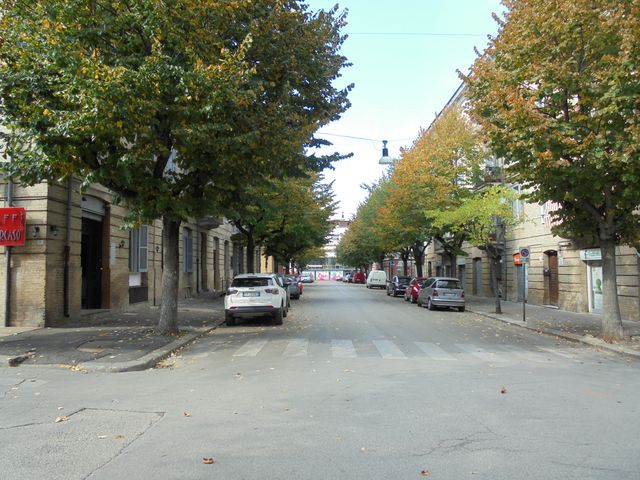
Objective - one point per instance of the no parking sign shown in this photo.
(525, 254)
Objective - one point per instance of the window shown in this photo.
(452, 284)
(518, 204)
(252, 282)
(138, 249)
(187, 250)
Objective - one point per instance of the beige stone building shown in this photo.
(78, 258)
(559, 273)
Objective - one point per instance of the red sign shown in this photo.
(13, 227)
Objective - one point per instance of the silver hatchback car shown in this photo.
(442, 292)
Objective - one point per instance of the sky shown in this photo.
(405, 56)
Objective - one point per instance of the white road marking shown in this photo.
(560, 353)
(298, 347)
(389, 350)
(343, 349)
(526, 354)
(472, 349)
(251, 348)
(434, 351)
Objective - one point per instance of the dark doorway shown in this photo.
(551, 277)
(91, 263)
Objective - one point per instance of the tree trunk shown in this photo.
(405, 263)
(453, 264)
(418, 256)
(168, 323)
(251, 254)
(612, 330)
(495, 267)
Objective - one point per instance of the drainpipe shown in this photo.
(67, 251)
(7, 256)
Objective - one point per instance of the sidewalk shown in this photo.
(579, 327)
(110, 342)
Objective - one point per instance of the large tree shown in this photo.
(365, 242)
(483, 219)
(558, 93)
(435, 172)
(286, 216)
(172, 105)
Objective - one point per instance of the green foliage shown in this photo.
(434, 173)
(173, 105)
(558, 94)
(478, 216)
(300, 222)
(286, 216)
(365, 242)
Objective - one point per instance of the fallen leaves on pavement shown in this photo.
(208, 461)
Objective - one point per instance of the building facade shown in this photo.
(78, 257)
(559, 274)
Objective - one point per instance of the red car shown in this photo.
(412, 291)
(358, 277)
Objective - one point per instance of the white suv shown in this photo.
(254, 294)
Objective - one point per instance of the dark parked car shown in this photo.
(398, 285)
(358, 277)
(442, 292)
(295, 286)
(412, 291)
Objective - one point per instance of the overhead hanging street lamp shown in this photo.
(385, 159)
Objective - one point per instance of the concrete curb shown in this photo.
(586, 339)
(147, 361)
(12, 361)
(143, 363)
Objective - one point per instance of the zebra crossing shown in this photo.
(385, 349)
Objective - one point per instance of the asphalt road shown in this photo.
(354, 385)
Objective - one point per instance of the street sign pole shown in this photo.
(524, 293)
(525, 255)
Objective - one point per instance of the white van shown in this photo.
(377, 279)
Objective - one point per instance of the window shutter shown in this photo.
(187, 250)
(143, 248)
